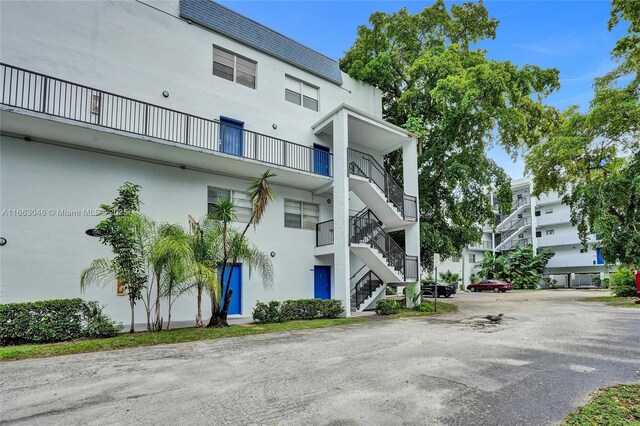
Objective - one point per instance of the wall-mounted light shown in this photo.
(273, 254)
(93, 232)
(328, 200)
(3, 241)
(274, 125)
(165, 94)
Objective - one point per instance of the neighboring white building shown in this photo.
(543, 222)
(191, 100)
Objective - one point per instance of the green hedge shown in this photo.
(302, 309)
(387, 307)
(53, 321)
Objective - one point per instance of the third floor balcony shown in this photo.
(95, 119)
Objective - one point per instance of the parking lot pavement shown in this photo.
(539, 363)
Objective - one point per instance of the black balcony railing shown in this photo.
(41, 93)
(362, 164)
(324, 233)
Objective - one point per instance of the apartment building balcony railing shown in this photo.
(363, 164)
(324, 233)
(483, 245)
(364, 288)
(511, 244)
(52, 96)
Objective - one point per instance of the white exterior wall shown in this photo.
(133, 50)
(45, 255)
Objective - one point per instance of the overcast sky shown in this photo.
(569, 35)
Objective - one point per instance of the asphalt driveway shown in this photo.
(541, 362)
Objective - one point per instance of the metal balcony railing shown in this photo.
(363, 164)
(324, 233)
(509, 245)
(41, 93)
(483, 245)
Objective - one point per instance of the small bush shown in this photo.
(265, 313)
(623, 283)
(424, 307)
(53, 321)
(387, 307)
(391, 291)
(302, 309)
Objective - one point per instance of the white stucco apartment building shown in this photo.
(543, 222)
(191, 100)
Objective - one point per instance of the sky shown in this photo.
(571, 36)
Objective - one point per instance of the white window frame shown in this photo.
(472, 258)
(548, 211)
(302, 204)
(549, 232)
(232, 197)
(235, 66)
(301, 84)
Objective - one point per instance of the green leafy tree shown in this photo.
(236, 247)
(594, 157)
(519, 266)
(449, 277)
(118, 230)
(206, 249)
(457, 102)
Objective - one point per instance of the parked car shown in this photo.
(495, 285)
(444, 289)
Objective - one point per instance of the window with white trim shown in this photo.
(243, 207)
(301, 215)
(233, 67)
(472, 258)
(301, 93)
(548, 211)
(549, 232)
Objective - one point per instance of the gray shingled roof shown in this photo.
(231, 24)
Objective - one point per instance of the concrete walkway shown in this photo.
(541, 362)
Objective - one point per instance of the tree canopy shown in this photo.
(439, 85)
(593, 157)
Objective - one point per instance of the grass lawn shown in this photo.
(617, 405)
(622, 302)
(443, 307)
(127, 340)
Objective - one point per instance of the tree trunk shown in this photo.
(169, 317)
(157, 326)
(133, 304)
(199, 314)
(219, 318)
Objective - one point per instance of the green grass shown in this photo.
(617, 405)
(621, 302)
(428, 309)
(127, 340)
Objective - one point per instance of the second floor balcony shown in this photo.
(71, 104)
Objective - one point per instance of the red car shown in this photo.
(494, 285)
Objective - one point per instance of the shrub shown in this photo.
(424, 307)
(302, 309)
(391, 291)
(623, 283)
(53, 321)
(387, 307)
(265, 313)
(474, 279)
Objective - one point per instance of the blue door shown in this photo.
(235, 306)
(322, 282)
(599, 258)
(321, 160)
(231, 136)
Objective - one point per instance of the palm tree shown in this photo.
(205, 247)
(236, 247)
(173, 253)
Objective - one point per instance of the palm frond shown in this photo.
(100, 272)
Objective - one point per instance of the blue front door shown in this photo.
(235, 306)
(322, 282)
(321, 160)
(231, 136)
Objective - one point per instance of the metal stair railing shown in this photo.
(364, 288)
(363, 164)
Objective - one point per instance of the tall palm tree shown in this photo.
(237, 248)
